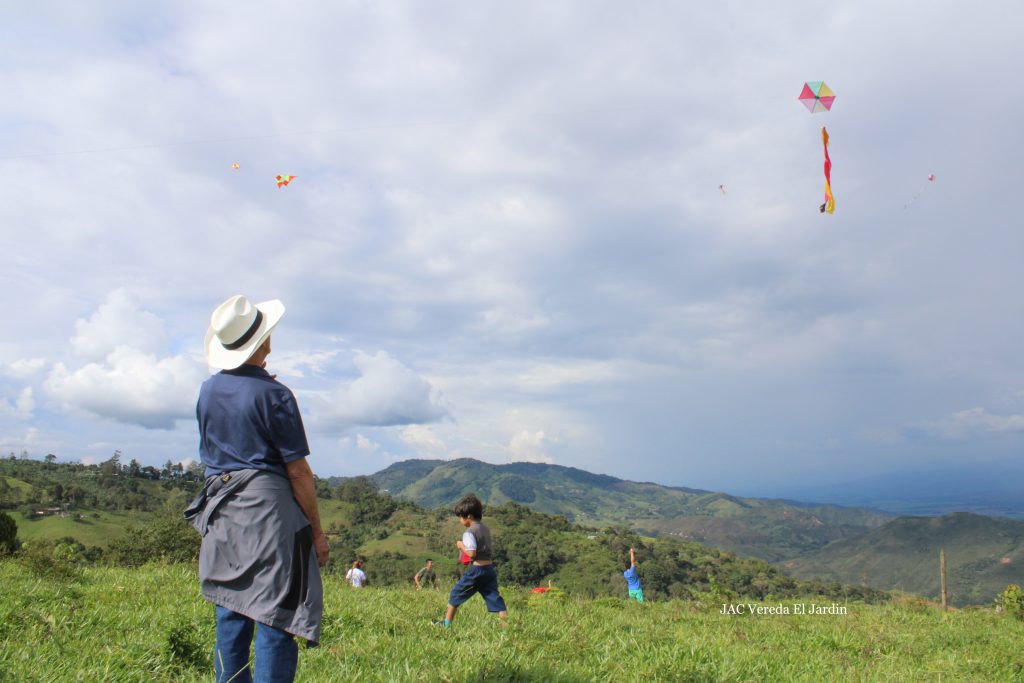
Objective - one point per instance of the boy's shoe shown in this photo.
(441, 622)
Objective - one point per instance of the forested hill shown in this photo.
(983, 555)
(55, 530)
(769, 529)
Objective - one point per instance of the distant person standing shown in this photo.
(425, 575)
(632, 580)
(262, 542)
(356, 576)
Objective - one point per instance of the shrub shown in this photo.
(8, 534)
(49, 561)
(184, 650)
(1012, 600)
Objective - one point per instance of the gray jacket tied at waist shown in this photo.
(257, 555)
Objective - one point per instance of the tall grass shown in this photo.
(149, 624)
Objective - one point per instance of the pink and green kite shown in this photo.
(817, 96)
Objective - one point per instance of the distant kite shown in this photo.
(722, 188)
(924, 186)
(817, 96)
(235, 166)
(283, 180)
(830, 203)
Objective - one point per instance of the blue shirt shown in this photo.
(632, 580)
(247, 419)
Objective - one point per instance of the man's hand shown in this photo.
(323, 550)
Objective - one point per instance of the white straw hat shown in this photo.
(237, 328)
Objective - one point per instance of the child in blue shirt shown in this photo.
(632, 580)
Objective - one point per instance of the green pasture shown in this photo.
(94, 528)
(149, 624)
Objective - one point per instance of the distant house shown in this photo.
(46, 512)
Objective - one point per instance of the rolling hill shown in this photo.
(768, 529)
(983, 556)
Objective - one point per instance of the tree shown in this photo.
(8, 534)
(196, 470)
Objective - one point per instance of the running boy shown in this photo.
(481, 576)
(632, 580)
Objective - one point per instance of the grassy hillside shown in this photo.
(91, 527)
(769, 529)
(150, 625)
(983, 555)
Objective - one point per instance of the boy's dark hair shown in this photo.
(469, 506)
(626, 563)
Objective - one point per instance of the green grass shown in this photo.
(150, 625)
(396, 543)
(90, 530)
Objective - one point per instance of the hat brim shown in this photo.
(224, 359)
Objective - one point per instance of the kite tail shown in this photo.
(830, 203)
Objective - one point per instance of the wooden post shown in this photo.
(942, 575)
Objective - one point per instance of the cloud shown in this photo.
(363, 443)
(424, 442)
(25, 403)
(295, 364)
(974, 422)
(529, 447)
(387, 393)
(22, 368)
(19, 407)
(119, 321)
(536, 230)
(131, 387)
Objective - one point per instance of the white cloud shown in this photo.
(387, 393)
(23, 368)
(974, 422)
(529, 447)
(118, 322)
(25, 403)
(363, 443)
(131, 387)
(21, 407)
(295, 364)
(423, 441)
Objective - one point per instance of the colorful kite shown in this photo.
(283, 180)
(235, 166)
(830, 203)
(722, 188)
(817, 96)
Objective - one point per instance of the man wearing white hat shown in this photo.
(257, 512)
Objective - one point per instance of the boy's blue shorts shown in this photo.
(482, 580)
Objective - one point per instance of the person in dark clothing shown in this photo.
(262, 540)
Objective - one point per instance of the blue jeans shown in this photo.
(277, 653)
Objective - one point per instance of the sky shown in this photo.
(581, 233)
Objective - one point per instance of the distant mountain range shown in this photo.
(986, 488)
(983, 556)
(772, 530)
(846, 544)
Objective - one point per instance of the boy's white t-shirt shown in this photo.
(356, 577)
